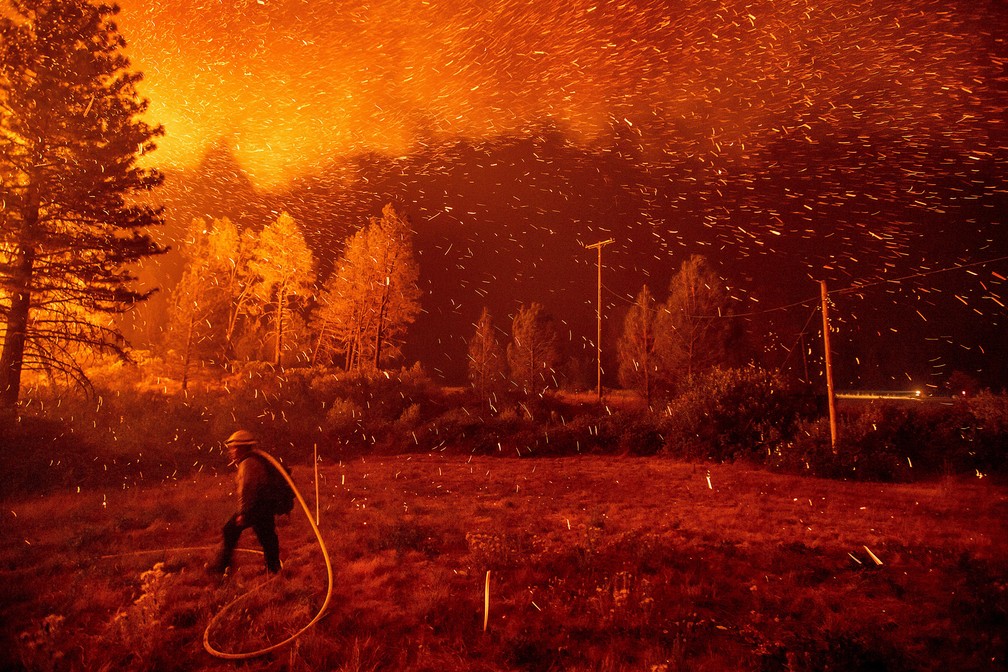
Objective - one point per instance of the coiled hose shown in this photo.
(329, 576)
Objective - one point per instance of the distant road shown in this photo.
(912, 396)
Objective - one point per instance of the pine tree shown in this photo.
(693, 333)
(396, 293)
(285, 271)
(340, 317)
(638, 364)
(486, 358)
(215, 284)
(70, 137)
(238, 282)
(190, 307)
(372, 296)
(534, 351)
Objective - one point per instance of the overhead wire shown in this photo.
(853, 289)
(814, 300)
(799, 337)
(923, 274)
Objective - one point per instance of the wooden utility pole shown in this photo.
(598, 340)
(830, 392)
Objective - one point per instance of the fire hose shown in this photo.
(329, 576)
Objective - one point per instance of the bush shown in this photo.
(626, 433)
(343, 417)
(380, 400)
(730, 414)
(459, 429)
(889, 441)
(878, 443)
(862, 452)
(989, 432)
(639, 434)
(137, 424)
(133, 423)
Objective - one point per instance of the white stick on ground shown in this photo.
(486, 602)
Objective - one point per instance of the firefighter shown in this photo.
(255, 507)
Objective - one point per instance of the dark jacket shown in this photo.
(253, 486)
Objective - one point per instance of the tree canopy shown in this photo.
(638, 362)
(534, 351)
(71, 135)
(372, 296)
(692, 333)
(284, 267)
(487, 363)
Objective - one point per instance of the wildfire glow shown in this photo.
(292, 83)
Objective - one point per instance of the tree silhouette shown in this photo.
(191, 307)
(339, 321)
(638, 363)
(70, 137)
(397, 300)
(486, 358)
(692, 332)
(285, 270)
(239, 280)
(212, 293)
(372, 296)
(534, 351)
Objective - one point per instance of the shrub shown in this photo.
(862, 453)
(990, 432)
(343, 417)
(728, 414)
(458, 429)
(628, 433)
(137, 424)
(808, 451)
(639, 435)
(875, 443)
(892, 441)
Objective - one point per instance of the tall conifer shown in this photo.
(70, 136)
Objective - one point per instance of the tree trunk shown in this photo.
(281, 295)
(353, 347)
(12, 358)
(481, 373)
(379, 336)
(15, 336)
(318, 343)
(532, 369)
(356, 342)
(650, 319)
(234, 312)
(188, 351)
(646, 349)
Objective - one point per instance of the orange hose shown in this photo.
(329, 575)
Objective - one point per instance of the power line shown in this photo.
(622, 298)
(853, 289)
(856, 288)
(801, 334)
(959, 267)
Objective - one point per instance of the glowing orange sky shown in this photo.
(291, 83)
(831, 131)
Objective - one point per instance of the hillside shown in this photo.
(501, 223)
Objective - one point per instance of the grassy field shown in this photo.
(595, 563)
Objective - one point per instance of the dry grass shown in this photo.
(596, 563)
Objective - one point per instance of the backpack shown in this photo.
(279, 495)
